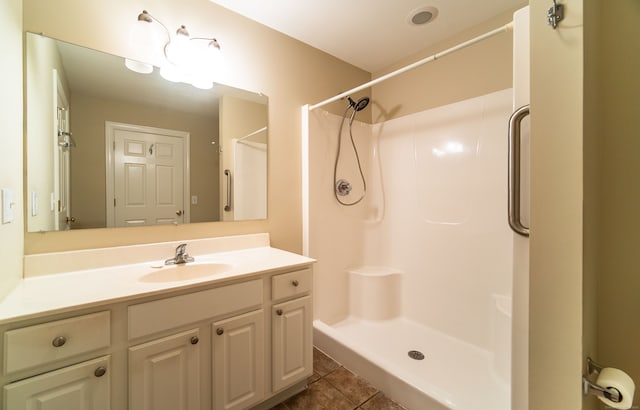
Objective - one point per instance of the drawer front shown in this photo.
(152, 317)
(41, 344)
(291, 284)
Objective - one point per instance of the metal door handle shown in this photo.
(179, 212)
(227, 205)
(515, 125)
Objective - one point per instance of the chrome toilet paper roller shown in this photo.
(612, 386)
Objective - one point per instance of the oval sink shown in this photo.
(177, 273)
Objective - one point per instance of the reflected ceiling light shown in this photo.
(451, 147)
(137, 66)
(194, 60)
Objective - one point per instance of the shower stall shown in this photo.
(417, 266)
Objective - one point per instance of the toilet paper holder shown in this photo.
(588, 387)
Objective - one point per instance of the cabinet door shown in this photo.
(238, 361)
(164, 374)
(84, 386)
(292, 345)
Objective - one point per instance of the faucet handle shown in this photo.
(181, 249)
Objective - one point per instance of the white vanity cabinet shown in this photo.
(292, 344)
(232, 343)
(238, 361)
(33, 350)
(164, 374)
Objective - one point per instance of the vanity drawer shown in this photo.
(152, 317)
(41, 344)
(291, 284)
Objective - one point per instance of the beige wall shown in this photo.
(11, 153)
(88, 116)
(555, 308)
(618, 296)
(584, 108)
(258, 59)
(478, 70)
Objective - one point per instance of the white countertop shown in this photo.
(56, 293)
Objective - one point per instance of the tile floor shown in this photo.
(336, 388)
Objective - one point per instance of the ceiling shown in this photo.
(370, 34)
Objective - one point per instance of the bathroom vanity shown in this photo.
(231, 330)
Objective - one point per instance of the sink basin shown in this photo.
(187, 271)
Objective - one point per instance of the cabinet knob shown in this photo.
(194, 340)
(219, 331)
(59, 341)
(295, 282)
(100, 371)
(279, 312)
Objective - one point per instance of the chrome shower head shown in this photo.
(359, 105)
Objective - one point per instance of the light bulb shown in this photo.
(171, 73)
(179, 49)
(145, 42)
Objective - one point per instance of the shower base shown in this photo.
(453, 374)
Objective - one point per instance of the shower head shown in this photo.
(359, 105)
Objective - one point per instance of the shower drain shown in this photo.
(416, 355)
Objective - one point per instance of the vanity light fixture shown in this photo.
(193, 60)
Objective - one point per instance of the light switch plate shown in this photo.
(7, 205)
(34, 203)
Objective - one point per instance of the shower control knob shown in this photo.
(343, 187)
(295, 283)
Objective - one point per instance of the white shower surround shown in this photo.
(250, 180)
(436, 211)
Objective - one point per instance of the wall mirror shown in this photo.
(110, 147)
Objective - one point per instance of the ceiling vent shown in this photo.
(422, 16)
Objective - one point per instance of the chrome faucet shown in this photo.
(181, 256)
